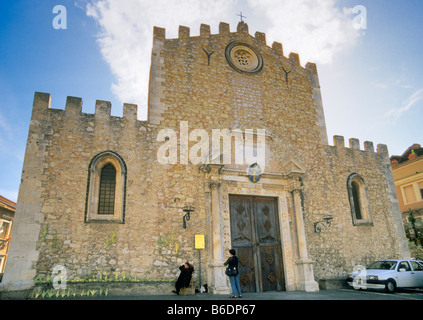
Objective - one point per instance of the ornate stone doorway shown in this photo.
(255, 235)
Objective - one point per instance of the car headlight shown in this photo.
(373, 278)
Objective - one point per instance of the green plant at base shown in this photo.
(111, 239)
(163, 242)
(415, 250)
(45, 232)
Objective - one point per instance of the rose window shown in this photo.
(243, 58)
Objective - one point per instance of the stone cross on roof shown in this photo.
(240, 15)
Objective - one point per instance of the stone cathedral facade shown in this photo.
(103, 194)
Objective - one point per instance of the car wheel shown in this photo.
(390, 286)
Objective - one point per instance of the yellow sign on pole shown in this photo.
(199, 242)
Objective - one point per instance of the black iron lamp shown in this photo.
(187, 216)
(321, 225)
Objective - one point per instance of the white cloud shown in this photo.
(126, 39)
(416, 97)
(316, 29)
(381, 85)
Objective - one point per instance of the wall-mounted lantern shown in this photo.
(326, 223)
(187, 216)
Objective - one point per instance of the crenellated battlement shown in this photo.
(73, 107)
(354, 144)
(184, 34)
(188, 66)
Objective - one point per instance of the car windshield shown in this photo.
(382, 265)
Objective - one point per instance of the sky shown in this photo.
(368, 54)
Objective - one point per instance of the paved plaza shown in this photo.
(341, 294)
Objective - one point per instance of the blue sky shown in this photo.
(372, 79)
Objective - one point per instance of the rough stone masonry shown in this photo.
(335, 206)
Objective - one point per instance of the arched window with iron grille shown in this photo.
(106, 188)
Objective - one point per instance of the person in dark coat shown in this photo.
(232, 263)
(184, 278)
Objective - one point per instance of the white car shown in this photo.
(388, 275)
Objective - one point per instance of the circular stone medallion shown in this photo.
(243, 58)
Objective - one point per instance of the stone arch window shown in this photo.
(359, 200)
(106, 190)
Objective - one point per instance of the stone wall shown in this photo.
(340, 247)
(308, 176)
(151, 243)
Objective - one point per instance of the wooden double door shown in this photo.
(255, 236)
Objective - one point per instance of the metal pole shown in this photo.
(199, 275)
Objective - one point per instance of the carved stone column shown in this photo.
(219, 285)
(304, 264)
(216, 222)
